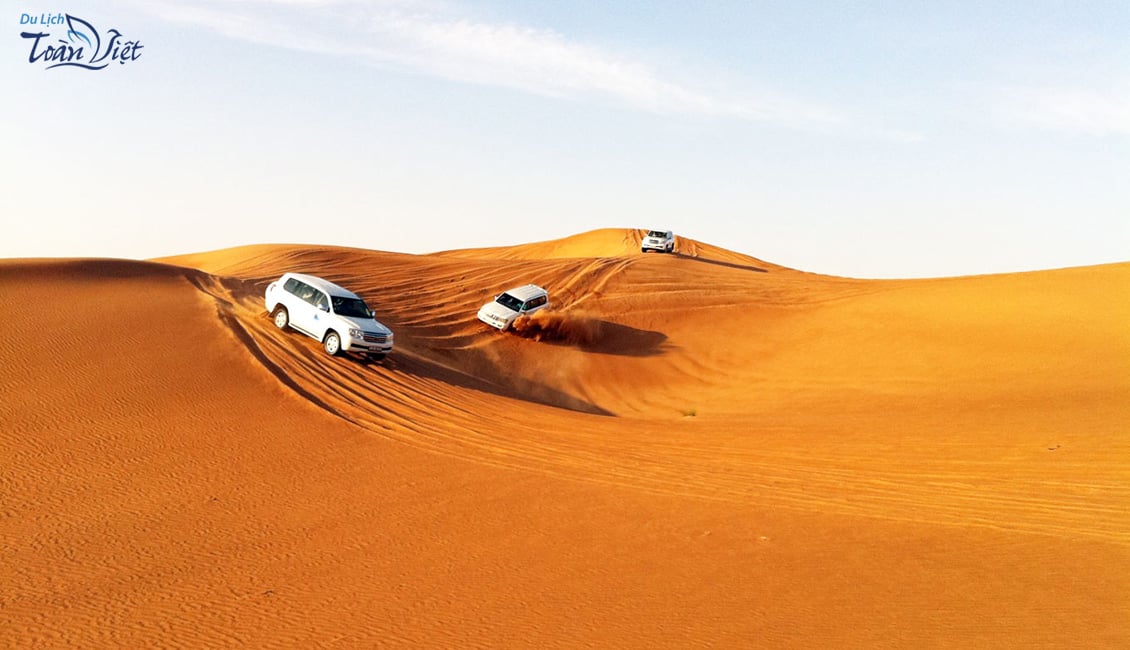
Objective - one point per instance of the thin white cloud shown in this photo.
(1073, 110)
(436, 40)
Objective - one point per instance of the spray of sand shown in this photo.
(572, 328)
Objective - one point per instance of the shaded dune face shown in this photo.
(969, 432)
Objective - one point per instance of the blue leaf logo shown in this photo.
(77, 28)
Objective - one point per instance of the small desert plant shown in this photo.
(690, 412)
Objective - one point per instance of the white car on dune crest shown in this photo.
(501, 312)
(337, 317)
(662, 241)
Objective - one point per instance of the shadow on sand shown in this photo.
(416, 364)
(729, 265)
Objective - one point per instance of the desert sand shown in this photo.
(693, 450)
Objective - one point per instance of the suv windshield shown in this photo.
(351, 307)
(656, 233)
(510, 302)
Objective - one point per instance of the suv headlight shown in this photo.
(356, 333)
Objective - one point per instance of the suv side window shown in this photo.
(304, 291)
(320, 301)
(312, 295)
(292, 286)
(535, 302)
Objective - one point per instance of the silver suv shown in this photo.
(658, 240)
(326, 312)
(501, 312)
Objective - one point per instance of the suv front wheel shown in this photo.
(282, 318)
(332, 343)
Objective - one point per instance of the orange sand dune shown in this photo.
(701, 449)
(606, 242)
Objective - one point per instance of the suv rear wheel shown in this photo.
(282, 318)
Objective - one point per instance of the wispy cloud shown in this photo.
(1074, 110)
(440, 41)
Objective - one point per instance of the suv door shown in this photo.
(301, 306)
(319, 314)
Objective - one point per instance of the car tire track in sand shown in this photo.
(410, 400)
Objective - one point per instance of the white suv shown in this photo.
(658, 240)
(321, 309)
(512, 303)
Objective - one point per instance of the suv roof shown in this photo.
(323, 284)
(526, 291)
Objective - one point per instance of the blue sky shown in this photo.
(880, 139)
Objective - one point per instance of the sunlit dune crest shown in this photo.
(689, 449)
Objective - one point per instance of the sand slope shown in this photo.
(695, 449)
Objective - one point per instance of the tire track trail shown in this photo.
(416, 400)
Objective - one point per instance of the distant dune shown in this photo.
(697, 449)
